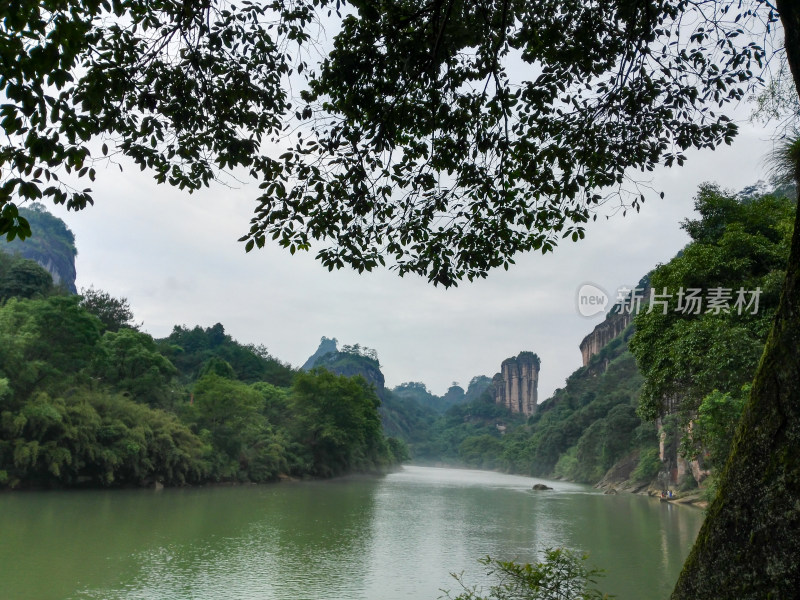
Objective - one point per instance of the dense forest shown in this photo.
(88, 399)
(698, 361)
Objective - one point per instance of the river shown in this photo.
(388, 538)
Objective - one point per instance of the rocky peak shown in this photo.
(326, 346)
(516, 386)
(617, 319)
(349, 361)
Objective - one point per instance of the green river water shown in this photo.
(383, 538)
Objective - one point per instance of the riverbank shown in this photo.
(90, 486)
(695, 497)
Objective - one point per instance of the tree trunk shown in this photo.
(749, 545)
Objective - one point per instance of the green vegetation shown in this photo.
(52, 244)
(336, 420)
(22, 278)
(114, 313)
(701, 363)
(455, 394)
(244, 406)
(406, 95)
(88, 402)
(527, 160)
(589, 424)
(715, 425)
(352, 360)
(191, 351)
(562, 575)
(468, 435)
(698, 364)
(648, 466)
(417, 392)
(578, 434)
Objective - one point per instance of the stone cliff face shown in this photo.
(61, 274)
(614, 324)
(516, 386)
(52, 245)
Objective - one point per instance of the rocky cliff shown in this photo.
(52, 245)
(614, 324)
(351, 365)
(516, 385)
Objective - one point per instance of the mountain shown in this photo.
(583, 429)
(516, 385)
(52, 245)
(455, 394)
(326, 346)
(351, 362)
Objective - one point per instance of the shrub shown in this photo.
(649, 465)
(562, 575)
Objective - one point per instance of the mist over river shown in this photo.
(382, 538)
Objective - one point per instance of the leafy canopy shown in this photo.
(449, 136)
(114, 313)
(736, 244)
(446, 136)
(184, 89)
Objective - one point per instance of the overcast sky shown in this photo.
(176, 258)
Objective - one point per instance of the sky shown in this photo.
(176, 258)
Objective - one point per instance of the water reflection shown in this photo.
(385, 538)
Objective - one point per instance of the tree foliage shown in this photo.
(114, 313)
(714, 427)
(417, 138)
(429, 149)
(128, 361)
(686, 354)
(185, 90)
(96, 438)
(46, 342)
(337, 422)
(190, 350)
(561, 575)
(82, 407)
(22, 278)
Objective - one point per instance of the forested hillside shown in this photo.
(87, 399)
(698, 361)
(696, 367)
